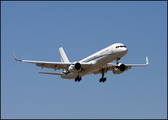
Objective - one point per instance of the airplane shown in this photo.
(97, 63)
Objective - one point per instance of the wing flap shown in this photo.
(52, 66)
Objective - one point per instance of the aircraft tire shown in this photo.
(101, 80)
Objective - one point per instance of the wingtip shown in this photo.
(15, 57)
(147, 62)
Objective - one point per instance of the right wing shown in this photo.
(111, 66)
(138, 65)
(52, 65)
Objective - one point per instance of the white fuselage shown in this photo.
(99, 59)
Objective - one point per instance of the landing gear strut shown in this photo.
(117, 60)
(102, 79)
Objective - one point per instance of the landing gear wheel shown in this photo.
(78, 79)
(102, 80)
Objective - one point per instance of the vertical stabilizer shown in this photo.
(63, 55)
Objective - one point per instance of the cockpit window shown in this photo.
(120, 46)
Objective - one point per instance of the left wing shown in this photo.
(52, 65)
(111, 66)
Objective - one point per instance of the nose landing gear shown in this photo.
(117, 60)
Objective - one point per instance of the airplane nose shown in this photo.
(125, 50)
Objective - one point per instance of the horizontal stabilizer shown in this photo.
(50, 73)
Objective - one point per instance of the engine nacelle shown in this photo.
(119, 69)
(75, 67)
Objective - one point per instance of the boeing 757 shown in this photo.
(97, 63)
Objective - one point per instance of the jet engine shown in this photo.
(75, 67)
(119, 69)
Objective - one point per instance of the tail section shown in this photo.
(63, 55)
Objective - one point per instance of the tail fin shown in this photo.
(63, 55)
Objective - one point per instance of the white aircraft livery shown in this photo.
(97, 63)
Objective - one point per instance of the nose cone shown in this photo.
(124, 50)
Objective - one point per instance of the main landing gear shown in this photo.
(78, 79)
(103, 79)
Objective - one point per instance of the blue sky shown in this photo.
(35, 31)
